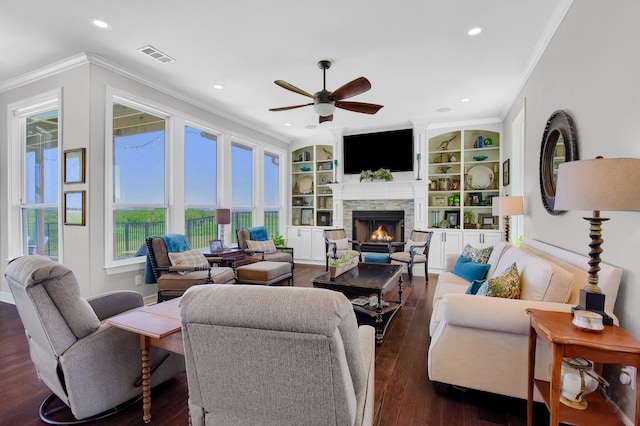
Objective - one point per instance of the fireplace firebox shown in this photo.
(375, 229)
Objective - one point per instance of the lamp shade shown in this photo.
(508, 206)
(223, 216)
(601, 184)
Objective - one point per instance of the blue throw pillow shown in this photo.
(474, 286)
(469, 270)
(258, 233)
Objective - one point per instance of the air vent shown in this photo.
(156, 54)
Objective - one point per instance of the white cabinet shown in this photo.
(443, 242)
(300, 239)
(307, 242)
(482, 238)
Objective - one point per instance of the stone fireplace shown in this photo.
(375, 229)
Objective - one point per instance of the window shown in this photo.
(241, 187)
(40, 189)
(272, 193)
(200, 186)
(139, 196)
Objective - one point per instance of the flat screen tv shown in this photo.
(391, 150)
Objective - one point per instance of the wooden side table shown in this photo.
(613, 345)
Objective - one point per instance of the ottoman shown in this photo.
(376, 258)
(265, 273)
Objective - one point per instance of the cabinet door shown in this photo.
(492, 238)
(482, 239)
(452, 243)
(300, 239)
(443, 242)
(317, 248)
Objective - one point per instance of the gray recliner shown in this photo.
(89, 365)
(268, 356)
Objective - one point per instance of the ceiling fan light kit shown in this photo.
(325, 102)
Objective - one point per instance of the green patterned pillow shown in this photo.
(506, 285)
(477, 255)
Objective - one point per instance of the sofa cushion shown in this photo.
(544, 280)
(496, 254)
(474, 286)
(193, 258)
(267, 246)
(469, 270)
(477, 255)
(506, 286)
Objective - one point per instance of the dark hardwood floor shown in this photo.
(404, 394)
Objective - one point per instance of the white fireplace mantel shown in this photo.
(394, 190)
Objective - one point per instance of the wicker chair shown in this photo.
(337, 244)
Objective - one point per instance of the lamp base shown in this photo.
(593, 302)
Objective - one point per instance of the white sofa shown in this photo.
(481, 342)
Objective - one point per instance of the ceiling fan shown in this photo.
(325, 102)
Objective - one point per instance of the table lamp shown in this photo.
(223, 217)
(599, 184)
(507, 206)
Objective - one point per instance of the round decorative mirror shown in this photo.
(559, 145)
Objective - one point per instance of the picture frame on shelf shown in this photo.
(324, 219)
(438, 200)
(306, 217)
(453, 217)
(506, 172)
(487, 221)
(75, 208)
(476, 198)
(455, 184)
(74, 165)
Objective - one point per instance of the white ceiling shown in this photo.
(415, 53)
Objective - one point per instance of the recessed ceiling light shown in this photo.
(310, 126)
(445, 109)
(475, 31)
(287, 124)
(465, 100)
(218, 86)
(99, 23)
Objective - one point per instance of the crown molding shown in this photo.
(44, 72)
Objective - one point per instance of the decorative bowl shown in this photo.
(305, 169)
(587, 320)
(480, 157)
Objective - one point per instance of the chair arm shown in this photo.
(214, 260)
(367, 336)
(493, 313)
(357, 243)
(115, 302)
(254, 252)
(450, 261)
(332, 247)
(186, 268)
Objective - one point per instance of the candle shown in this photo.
(418, 156)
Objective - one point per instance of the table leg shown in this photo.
(531, 375)
(145, 344)
(554, 393)
(400, 285)
(379, 322)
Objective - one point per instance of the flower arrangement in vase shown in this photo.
(342, 264)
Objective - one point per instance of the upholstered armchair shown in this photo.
(174, 267)
(276, 356)
(257, 245)
(89, 365)
(337, 244)
(416, 250)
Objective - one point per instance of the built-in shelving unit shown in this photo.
(312, 170)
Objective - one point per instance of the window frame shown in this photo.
(18, 113)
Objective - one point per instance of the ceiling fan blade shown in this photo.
(362, 107)
(293, 88)
(352, 88)
(289, 107)
(327, 118)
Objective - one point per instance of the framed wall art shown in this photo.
(487, 221)
(74, 208)
(307, 217)
(453, 217)
(505, 172)
(74, 165)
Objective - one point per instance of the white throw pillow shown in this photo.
(267, 246)
(410, 242)
(342, 244)
(193, 258)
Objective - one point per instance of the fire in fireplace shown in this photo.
(376, 228)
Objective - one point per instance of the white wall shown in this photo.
(590, 69)
(84, 111)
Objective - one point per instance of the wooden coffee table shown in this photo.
(158, 325)
(365, 280)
